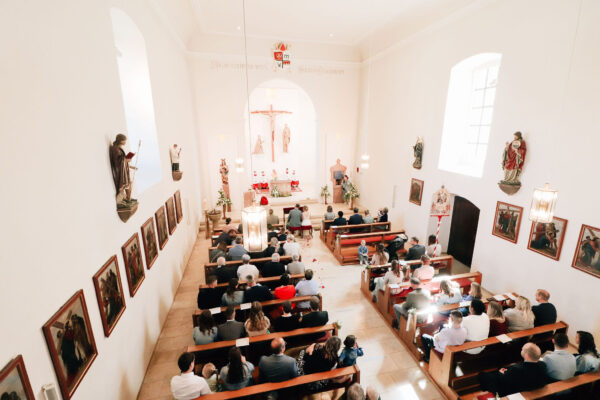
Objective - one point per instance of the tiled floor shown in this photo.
(386, 365)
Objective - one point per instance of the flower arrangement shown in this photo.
(352, 193)
(223, 200)
(275, 192)
(325, 193)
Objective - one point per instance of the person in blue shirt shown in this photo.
(363, 253)
(350, 352)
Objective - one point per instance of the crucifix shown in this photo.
(271, 114)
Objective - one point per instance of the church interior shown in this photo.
(332, 199)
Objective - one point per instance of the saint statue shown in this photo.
(274, 174)
(258, 148)
(418, 153)
(175, 153)
(119, 163)
(224, 171)
(286, 138)
(512, 164)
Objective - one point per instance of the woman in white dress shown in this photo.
(306, 218)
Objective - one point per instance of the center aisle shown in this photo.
(386, 365)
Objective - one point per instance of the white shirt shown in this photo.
(478, 328)
(291, 248)
(424, 272)
(175, 154)
(429, 250)
(247, 269)
(188, 386)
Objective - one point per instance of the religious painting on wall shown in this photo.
(171, 215)
(416, 191)
(109, 292)
(178, 209)
(149, 239)
(547, 239)
(161, 226)
(71, 343)
(134, 267)
(14, 382)
(507, 221)
(587, 253)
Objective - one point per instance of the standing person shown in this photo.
(329, 215)
(394, 276)
(477, 325)
(232, 296)
(291, 247)
(175, 153)
(237, 374)
(587, 358)
(257, 323)
(452, 335)
(433, 250)
(306, 222)
(340, 220)
(206, 331)
(350, 352)
(380, 257)
(363, 253)
(544, 312)
(560, 364)
(498, 322)
(306, 287)
(188, 386)
(521, 317)
(295, 217)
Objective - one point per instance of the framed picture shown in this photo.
(149, 239)
(507, 221)
(134, 267)
(547, 239)
(109, 292)
(178, 209)
(14, 382)
(161, 226)
(587, 253)
(171, 215)
(416, 191)
(71, 343)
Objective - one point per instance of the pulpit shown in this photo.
(249, 198)
(338, 171)
(283, 185)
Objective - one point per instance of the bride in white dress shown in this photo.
(306, 218)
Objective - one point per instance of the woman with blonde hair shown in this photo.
(474, 294)
(257, 323)
(498, 322)
(449, 293)
(521, 317)
(393, 276)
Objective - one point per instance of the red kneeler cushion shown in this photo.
(367, 240)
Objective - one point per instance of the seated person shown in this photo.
(320, 357)
(210, 372)
(396, 245)
(306, 287)
(380, 257)
(283, 237)
(188, 386)
(237, 374)
(477, 324)
(273, 247)
(368, 219)
(315, 317)
(474, 293)
(285, 290)
(355, 219)
(432, 249)
(247, 269)
(210, 296)
(498, 322)
(277, 367)
(587, 358)
(229, 226)
(418, 298)
(295, 217)
(231, 329)
(238, 250)
(257, 323)
(295, 267)
(527, 375)
(449, 292)
(225, 272)
(363, 253)
(544, 312)
(340, 220)
(329, 215)
(272, 219)
(521, 317)
(350, 352)
(206, 331)
(220, 251)
(425, 271)
(560, 364)
(452, 335)
(233, 295)
(393, 276)
(383, 215)
(288, 321)
(291, 247)
(273, 267)
(227, 237)
(415, 250)
(356, 392)
(256, 292)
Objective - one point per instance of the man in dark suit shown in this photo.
(527, 375)
(273, 244)
(225, 272)
(231, 329)
(273, 267)
(355, 219)
(340, 220)
(415, 251)
(256, 292)
(210, 296)
(545, 312)
(315, 317)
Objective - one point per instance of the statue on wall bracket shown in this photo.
(512, 164)
(418, 153)
(224, 171)
(175, 153)
(120, 166)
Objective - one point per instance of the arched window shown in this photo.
(137, 99)
(468, 117)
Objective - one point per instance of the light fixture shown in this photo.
(543, 204)
(365, 161)
(239, 28)
(254, 228)
(239, 165)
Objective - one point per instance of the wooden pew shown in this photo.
(325, 225)
(298, 384)
(240, 314)
(375, 228)
(271, 282)
(217, 352)
(453, 380)
(230, 246)
(218, 231)
(211, 268)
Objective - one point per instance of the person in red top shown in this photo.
(285, 290)
(498, 322)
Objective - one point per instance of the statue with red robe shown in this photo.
(513, 159)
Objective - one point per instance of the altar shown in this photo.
(283, 185)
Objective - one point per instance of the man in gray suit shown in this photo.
(418, 299)
(232, 329)
(277, 367)
(295, 217)
(296, 266)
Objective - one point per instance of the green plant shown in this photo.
(223, 200)
(325, 192)
(275, 192)
(352, 193)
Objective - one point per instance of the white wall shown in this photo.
(548, 89)
(61, 105)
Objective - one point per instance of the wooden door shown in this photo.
(463, 230)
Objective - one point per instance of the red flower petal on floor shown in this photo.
(314, 260)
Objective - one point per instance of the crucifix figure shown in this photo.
(271, 114)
